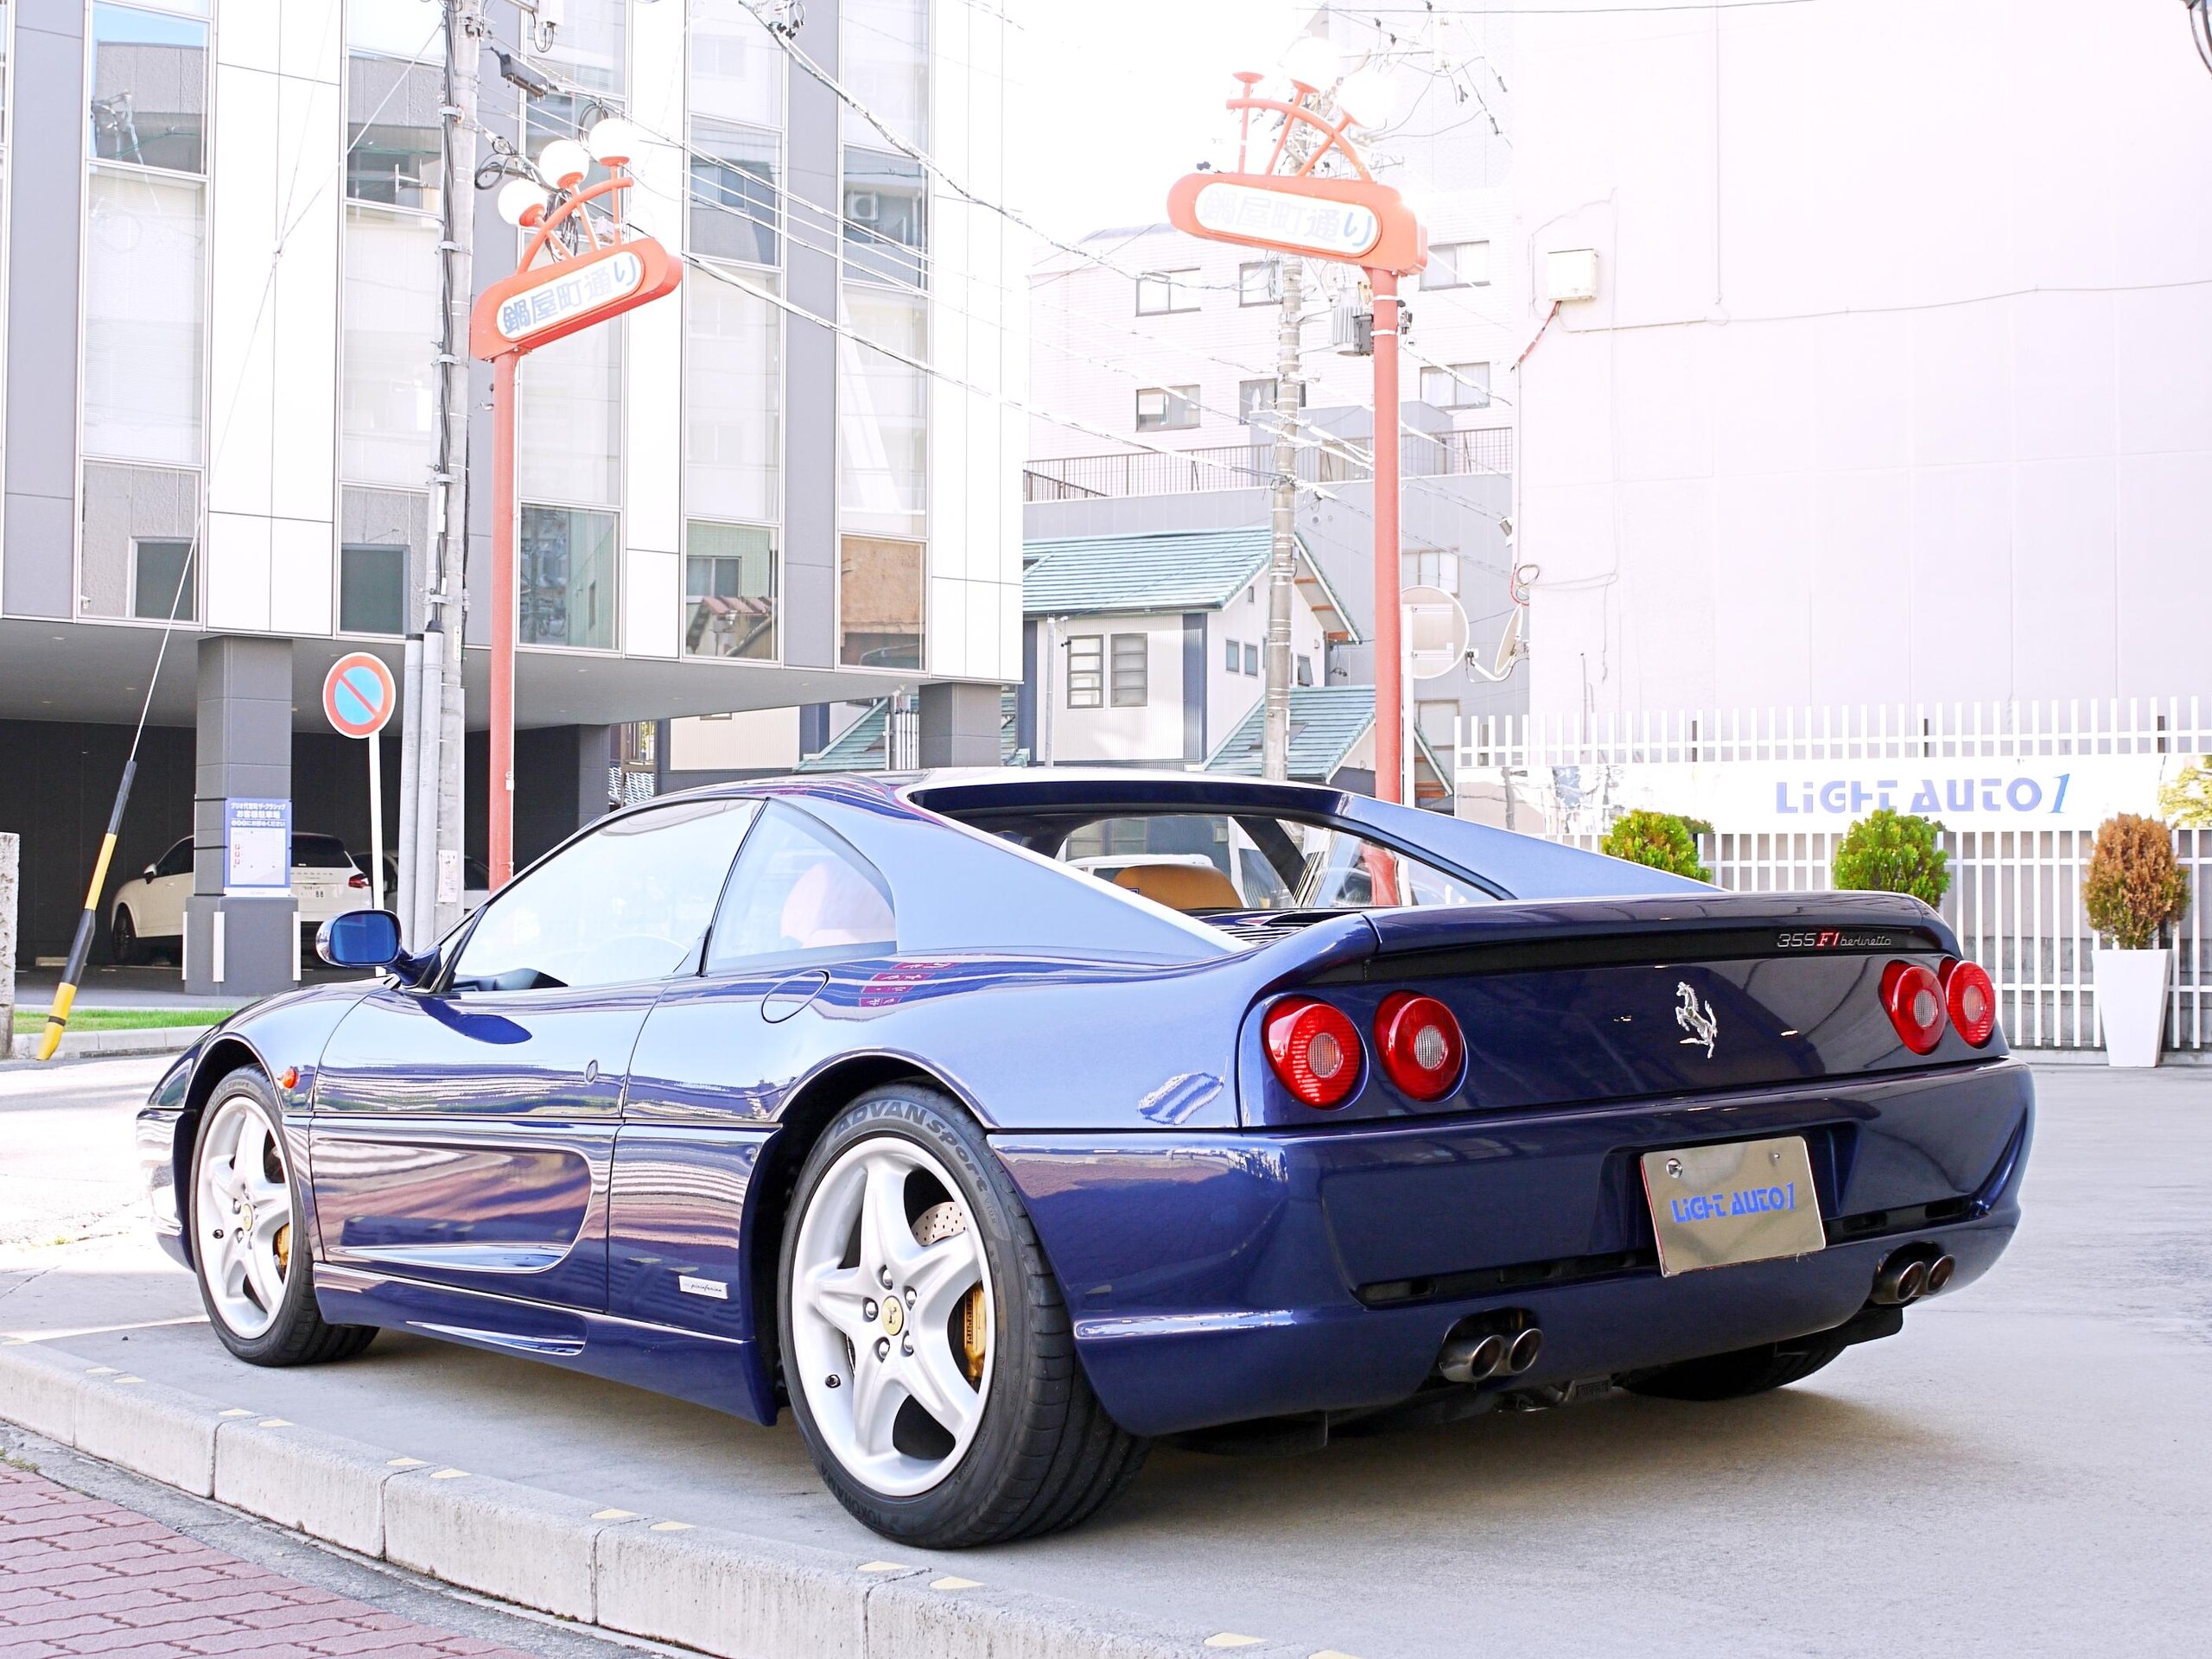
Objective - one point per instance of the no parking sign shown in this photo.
(358, 698)
(358, 694)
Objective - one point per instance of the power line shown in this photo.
(1325, 442)
(914, 153)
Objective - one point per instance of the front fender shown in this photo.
(281, 1036)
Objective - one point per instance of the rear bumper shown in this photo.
(1218, 1277)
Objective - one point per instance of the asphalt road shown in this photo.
(2027, 1471)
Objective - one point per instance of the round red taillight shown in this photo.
(1314, 1049)
(1419, 1043)
(1971, 1000)
(1914, 1000)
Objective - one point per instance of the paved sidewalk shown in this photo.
(81, 1576)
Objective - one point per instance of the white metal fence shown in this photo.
(2015, 898)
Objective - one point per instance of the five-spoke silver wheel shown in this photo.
(243, 1210)
(891, 1315)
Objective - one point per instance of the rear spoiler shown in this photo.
(1710, 925)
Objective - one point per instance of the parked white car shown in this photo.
(149, 912)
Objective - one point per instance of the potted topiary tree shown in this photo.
(1660, 840)
(1892, 852)
(2133, 888)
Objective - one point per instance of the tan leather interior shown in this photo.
(1181, 887)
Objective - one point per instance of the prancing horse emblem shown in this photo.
(1696, 1018)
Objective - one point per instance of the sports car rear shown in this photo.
(1671, 1128)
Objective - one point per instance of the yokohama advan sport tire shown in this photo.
(244, 1208)
(926, 1349)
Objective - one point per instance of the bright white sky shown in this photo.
(1124, 97)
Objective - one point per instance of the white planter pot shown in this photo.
(2132, 1004)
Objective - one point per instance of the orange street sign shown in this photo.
(1355, 221)
(539, 305)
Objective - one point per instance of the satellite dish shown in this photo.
(1508, 647)
(1436, 632)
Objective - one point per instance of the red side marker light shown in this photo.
(1314, 1049)
(1913, 1002)
(1971, 999)
(290, 1079)
(1419, 1044)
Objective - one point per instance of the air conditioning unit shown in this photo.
(1571, 274)
(1351, 327)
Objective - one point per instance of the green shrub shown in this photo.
(2133, 887)
(1893, 852)
(2186, 802)
(1661, 840)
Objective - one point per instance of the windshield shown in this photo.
(1205, 861)
(320, 853)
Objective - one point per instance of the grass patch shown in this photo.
(29, 1020)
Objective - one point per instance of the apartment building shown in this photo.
(1154, 355)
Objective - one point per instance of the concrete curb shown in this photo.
(723, 1593)
(91, 1044)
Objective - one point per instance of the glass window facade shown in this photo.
(737, 71)
(380, 518)
(882, 409)
(568, 577)
(373, 587)
(729, 590)
(735, 210)
(140, 523)
(149, 89)
(392, 131)
(590, 49)
(879, 602)
(733, 374)
(569, 420)
(395, 28)
(388, 413)
(885, 208)
(145, 257)
(884, 60)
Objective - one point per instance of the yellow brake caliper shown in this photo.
(942, 1221)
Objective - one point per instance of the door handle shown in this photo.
(787, 997)
(591, 1070)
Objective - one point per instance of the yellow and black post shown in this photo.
(80, 950)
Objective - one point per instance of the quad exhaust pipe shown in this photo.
(1911, 1273)
(1483, 1354)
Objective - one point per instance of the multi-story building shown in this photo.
(792, 483)
(1879, 371)
(1149, 340)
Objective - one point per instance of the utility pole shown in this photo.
(1282, 564)
(430, 830)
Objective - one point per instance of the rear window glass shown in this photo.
(1206, 862)
(320, 853)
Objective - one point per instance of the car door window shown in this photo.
(177, 860)
(799, 893)
(628, 902)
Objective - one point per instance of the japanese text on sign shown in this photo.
(562, 298)
(1343, 229)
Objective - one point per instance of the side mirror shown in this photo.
(151, 872)
(359, 938)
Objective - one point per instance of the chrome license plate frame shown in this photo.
(1733, 1204)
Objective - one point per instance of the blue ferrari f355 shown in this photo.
(1001, 1122)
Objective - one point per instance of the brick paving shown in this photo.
(81, 1576)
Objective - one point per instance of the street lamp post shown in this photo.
(577, 270)
(1287, 204)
